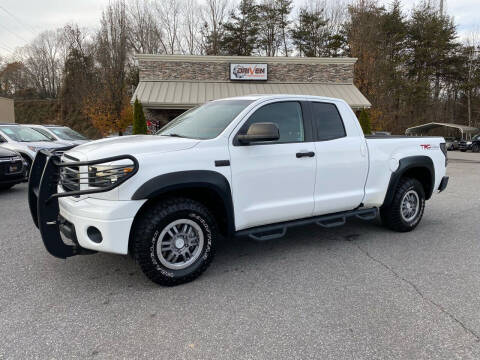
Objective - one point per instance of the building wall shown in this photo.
(220, 71)
(217, 69)
(7, 112)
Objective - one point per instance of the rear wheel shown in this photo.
(174, 242)
(407, 207)
(476, 148)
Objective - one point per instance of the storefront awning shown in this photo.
(186, 94)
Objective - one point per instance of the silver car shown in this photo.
(61, 134)
(26, 141)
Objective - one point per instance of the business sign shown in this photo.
(248, 71)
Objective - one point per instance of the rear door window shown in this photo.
(328, 122)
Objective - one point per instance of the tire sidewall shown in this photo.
(208, 233)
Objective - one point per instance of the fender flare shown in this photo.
(405, 164)
(207, 179)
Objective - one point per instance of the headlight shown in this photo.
(107, 175)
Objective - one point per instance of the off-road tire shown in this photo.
(391, 214)
(154, 220)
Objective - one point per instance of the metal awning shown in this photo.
(424, 128)
(186, 94)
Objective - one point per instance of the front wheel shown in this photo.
(175, 240)
(476, 148)
(407, 207)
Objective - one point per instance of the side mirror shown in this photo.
(260, 132)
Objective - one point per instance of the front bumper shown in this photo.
(7, 177)
(52, 211)
(113, 219)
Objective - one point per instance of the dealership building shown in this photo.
(170, 84)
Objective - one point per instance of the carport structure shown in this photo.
(466, 131)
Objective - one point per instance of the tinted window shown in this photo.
(328, 122)
(287, 116)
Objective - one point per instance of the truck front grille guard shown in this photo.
(45, 176)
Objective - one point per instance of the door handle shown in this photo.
(305, 154)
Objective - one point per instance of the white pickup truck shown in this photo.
(247, 166)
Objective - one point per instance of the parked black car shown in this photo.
(473, 144)
(12, 169)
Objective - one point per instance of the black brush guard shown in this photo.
(43, 198)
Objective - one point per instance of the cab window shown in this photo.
(327, 120)
(286, 115)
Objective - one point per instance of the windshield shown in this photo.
(206, 121)
(66, 133)
(45, 132)
(22, 134)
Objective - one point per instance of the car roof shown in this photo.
(44, 125)
(256, 97)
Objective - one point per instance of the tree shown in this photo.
(139, 123)
(14, 78)
(144, 32)
(169, 12)
(78, 76)
(269, 36)
(191, 27)
(364, 120)
(213, 17)
(284, 8)
(44, 61)
(431, 48)
(310, 35)
(112, 56)
(241, 32)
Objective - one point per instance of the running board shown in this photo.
(276, 231)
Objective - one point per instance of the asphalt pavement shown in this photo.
(353, 292)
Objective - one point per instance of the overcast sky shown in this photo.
(21, 20)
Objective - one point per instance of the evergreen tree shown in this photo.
(310, 34)
(139, 123)
(79, 75)
(364, 120)
(284, 8)
(240, 34)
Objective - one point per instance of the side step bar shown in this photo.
(276, 231)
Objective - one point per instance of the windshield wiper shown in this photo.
(174, 135)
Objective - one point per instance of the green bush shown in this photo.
(364, 120)
(139, 123)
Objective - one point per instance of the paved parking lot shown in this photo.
(355, 292)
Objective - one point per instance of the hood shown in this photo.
(43, 144)
(4, 152)
(133, 144)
